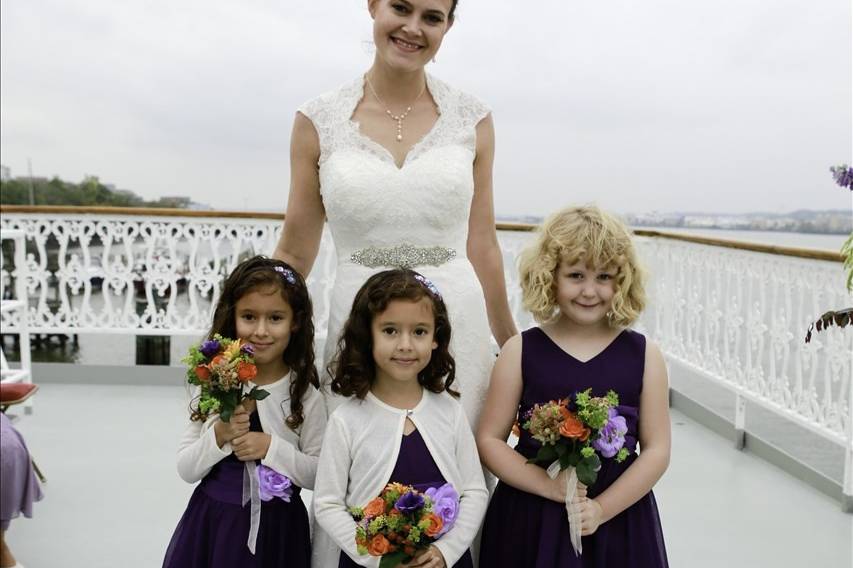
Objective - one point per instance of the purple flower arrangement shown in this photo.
(578, 433)
(843, 175)
(403, 520)
(221, 367)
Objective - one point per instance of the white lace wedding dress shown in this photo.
(373, 206)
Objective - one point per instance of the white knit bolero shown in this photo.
(294, 454)
(359, 453)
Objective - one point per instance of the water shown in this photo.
(777, 238)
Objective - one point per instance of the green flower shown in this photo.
(376, 524)
(395, 522)
(414, 535)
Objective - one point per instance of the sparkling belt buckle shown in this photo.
(402, 256)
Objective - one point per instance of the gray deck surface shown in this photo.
(113, 496)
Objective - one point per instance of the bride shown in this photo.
(400, 164)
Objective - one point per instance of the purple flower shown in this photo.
(248, 349)
(209, 348)
(273, 484)
(843, 175)
(611, 438)
(409, 502)
(445, 504)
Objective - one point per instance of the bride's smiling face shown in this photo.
(408, 33)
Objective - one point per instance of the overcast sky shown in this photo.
(724, 105)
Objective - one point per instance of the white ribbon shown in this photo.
(572, 511)
(251, 492)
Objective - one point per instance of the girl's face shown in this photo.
(403, 339)
(408, 33)
(584, 294)
(265, 320)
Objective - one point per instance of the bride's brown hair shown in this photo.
(353, 368)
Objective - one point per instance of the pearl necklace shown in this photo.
(398, 117)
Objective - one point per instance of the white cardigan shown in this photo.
(294, 454)
(360, 451)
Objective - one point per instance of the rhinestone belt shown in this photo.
(402, 256)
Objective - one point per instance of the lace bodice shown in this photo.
(369, 201)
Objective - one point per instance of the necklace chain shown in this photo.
(397, 117)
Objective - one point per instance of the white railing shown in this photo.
(739, 317)
(13, 300)
(143, 275)
(736, 316)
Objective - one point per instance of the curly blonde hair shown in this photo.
(582, 233)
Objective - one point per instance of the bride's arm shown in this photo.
(484, 252)
(303, 227)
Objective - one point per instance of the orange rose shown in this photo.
(435, 525)
(202, 372)
(574, 428)
(375, 508)
(246, 371)
(378, 546)
(218, 360)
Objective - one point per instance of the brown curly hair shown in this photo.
(260, 272)
(353, 369)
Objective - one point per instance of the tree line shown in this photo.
(88, 192)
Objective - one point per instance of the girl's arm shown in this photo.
(499, 413)
(654, 438)
(483, 249)
(473, 495)
(330, 490)
(300, 464)
(303, 227)
(199, 451)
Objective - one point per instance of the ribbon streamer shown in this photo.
(572, 511)
(251, 492)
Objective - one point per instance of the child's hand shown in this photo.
(557, 489)
(250, 405)
(238, 426)
(580, 493)
(590, 515)
(429, 558)
(251, 446)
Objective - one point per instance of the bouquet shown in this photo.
(575, 436)
(402, 521)
(220, 367)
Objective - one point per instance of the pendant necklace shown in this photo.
(398, 117)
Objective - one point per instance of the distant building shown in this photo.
(176, 200)
(5, 173)
(35, 179)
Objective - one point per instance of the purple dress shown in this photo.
(522, 529)
(18, 485)
(215, 527)
(414, 467)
